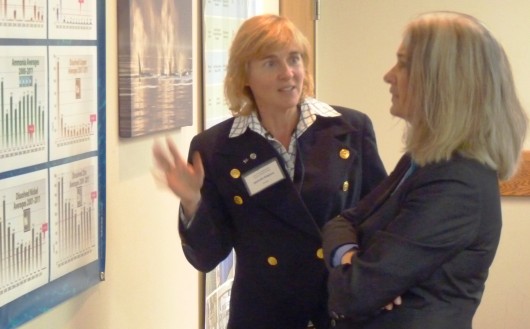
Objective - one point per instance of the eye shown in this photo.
(295, 59)
(269, 63)
(402, 62)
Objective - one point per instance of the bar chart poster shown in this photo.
(73, 19)
(23, 19)
(74, 214)
(52, 154)
(73, 101)
(23, 235)
(23, 107)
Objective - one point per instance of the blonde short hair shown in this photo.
(256, 37)
(461, 94)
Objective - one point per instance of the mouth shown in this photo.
(287, 89)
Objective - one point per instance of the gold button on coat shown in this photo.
(272, 261)
(238, 200)
(235, 173)
(344, 154)
(345, 186)
(320, 253)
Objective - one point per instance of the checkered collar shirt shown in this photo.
(309, 110)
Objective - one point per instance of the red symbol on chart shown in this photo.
(93, 118)
(94, 195)
(44, 229)
(31, 129)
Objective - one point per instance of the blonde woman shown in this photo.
(428, 234)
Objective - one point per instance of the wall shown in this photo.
(356, 45)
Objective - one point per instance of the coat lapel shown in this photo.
(382, 192)
(248, 152)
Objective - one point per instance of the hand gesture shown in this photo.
(184, 179)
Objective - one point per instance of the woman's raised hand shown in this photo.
(184, 179)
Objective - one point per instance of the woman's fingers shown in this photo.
(396, 302)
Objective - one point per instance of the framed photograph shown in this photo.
(155, 78)
(519, 184)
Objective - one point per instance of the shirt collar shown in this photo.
(309, 109)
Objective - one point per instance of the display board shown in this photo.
(52, 154)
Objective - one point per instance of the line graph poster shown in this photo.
(72, 19)
(73, 99)
(23, 111)
(52, 154)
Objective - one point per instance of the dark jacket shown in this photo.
(431, 242)
(280, 278)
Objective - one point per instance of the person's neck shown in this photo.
(281, 124)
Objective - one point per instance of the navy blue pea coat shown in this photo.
(280, 276)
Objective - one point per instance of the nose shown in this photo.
(285, 70)
(389, 76)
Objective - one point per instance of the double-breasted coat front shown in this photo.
(251, 205)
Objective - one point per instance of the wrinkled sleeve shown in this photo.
(436, 220)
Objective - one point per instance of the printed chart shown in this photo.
(23, 18)
(52, 83)
(23, 112)
(73, 19)
(23, 235)
(73, 100)
(74, 216)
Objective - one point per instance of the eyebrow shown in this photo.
(273, 55)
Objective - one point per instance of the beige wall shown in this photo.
(356, 45)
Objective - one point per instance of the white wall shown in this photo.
(356, 45)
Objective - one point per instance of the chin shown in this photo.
(397, 114)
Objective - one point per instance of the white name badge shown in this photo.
(263, 176)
